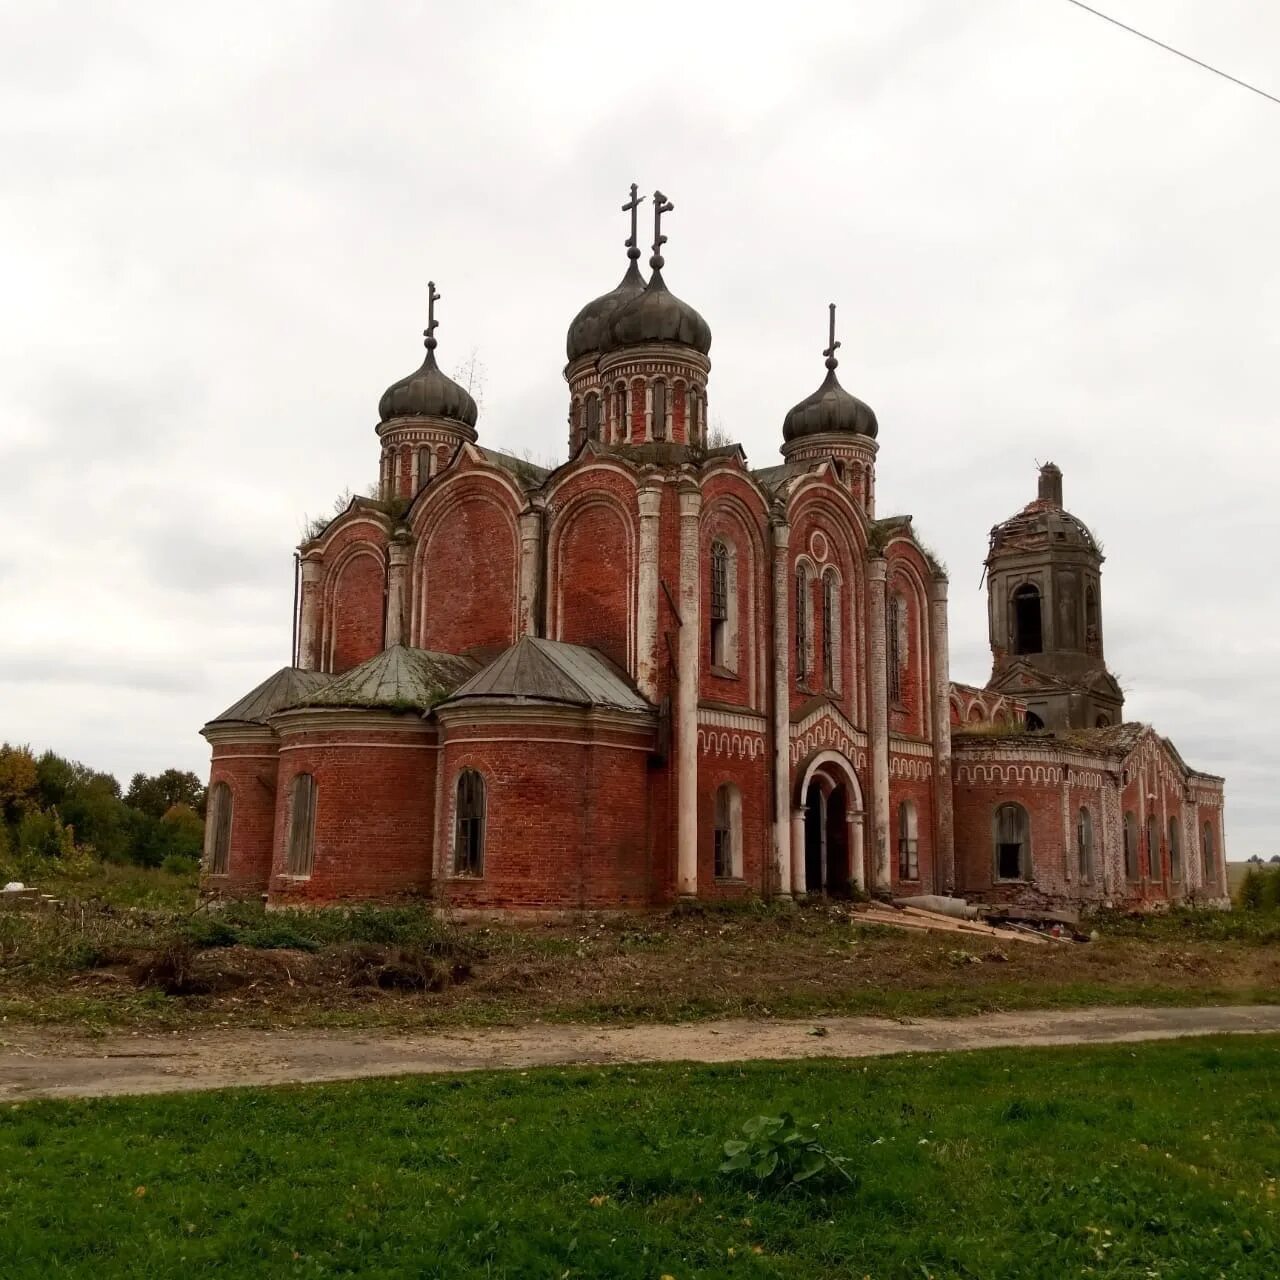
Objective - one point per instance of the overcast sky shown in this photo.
(1048, 240)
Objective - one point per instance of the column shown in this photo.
(531, 572)
(785, 850)
(857, 854)
(650, 499)
(798, 886)
(309, 622)
(879, 745)
(399, 553)
(687, 697)
(944, 858)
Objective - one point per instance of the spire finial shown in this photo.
(633, 207)
(832, 344)
(429, 333)
(661, 205)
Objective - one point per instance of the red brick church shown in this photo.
(655, 673)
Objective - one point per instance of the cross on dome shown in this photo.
(429, 333)
(832, 344)
(633, 207)
(661, 205)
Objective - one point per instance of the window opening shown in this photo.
(728, 822)
(468, 846)
(828, 643)
(1034, 721)
(719, 602)
(1175, 851)
(1027, 635)
(908, 842)
(895, 649)
(1206, 853)
(1130, 847)
(659, 410)
(302, 826)
(1012, 840)
(593, 417)
(1084, 843)
(802, 623)
(219, 825)
(1154, 870)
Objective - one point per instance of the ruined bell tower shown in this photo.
(1044, 605)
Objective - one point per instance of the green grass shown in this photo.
(1125, 1161)
(1187, 924)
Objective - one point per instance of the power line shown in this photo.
(1170, 49)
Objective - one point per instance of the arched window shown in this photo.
(468, 825)
(425, 460)
(894, 622)
(1175, 851)
(1102, 723)
(728, 832)
(593, 416)
(1034, 722)
(218, 829)
(620, 412)
(695, 416)
(908, 842)
(1130, 847)
(802, 623)
(1084, 843)
(301, 847)
(1012, 843)
(659, 410)
(724, 608)
(1092, 639)
(1208, 862)
(1027, 634)
(828, 638)
(1154, 870)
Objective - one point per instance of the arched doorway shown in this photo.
(827, 841)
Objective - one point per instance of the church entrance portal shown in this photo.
(826, 838)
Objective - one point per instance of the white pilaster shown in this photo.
(397, 592)
(530, 572)
(798, 885)
(879, 744)
(944, 848)
(687, 692)
(785, 851)
(650, 499)
(309, 622)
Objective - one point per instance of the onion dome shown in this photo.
(428, 393)
(656, 314)
(590, 326)
(831, 409)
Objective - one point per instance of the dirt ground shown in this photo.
(653, 968)
(37, 1063)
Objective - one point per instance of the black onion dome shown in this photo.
(428, 393)
(657, 315)
(831, 409)
(590, 326)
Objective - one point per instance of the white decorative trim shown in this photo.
(827, 728)
(743, 721)
(381, 746)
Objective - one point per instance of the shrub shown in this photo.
(777, 1153)
(176, 864)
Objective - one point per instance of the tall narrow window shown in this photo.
(218, 829)
(1027, 635)
(1209, 863)
(468, 831)
(1175, 851)
(908, 842)
(728, 832)
(802, 623)
(1154, 869)
(659, 410)
(301, 854)
(1084, 843)
(695, 416)
(828, 637)
(719, 603)
(620, 413)
(1130, 847)
(593, 417)
(425, 460)
(894, 646)
(1092, 637)
(1013, 843)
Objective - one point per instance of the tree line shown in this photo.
(57, 814)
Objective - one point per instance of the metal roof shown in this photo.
(284, 689)
(398, 678)
(551, 671)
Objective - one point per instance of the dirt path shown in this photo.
(39, 1064)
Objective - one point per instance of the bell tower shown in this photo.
(1044, 605)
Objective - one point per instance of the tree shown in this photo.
(17, 782)
(155, 796)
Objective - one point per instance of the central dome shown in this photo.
(590, 326)
(657, 315)
(831, 409)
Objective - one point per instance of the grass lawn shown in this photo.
(1158, 1160)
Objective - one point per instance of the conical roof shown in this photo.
(397, 679)
(288, 686)
(535, 670)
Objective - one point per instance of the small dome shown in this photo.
(590, 326)
(1044, 522)
(657, 315)
(428, 393)
(830, 409)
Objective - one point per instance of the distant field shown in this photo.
(1130, 1161)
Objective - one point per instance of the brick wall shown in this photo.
(248, 767)
(751, 777)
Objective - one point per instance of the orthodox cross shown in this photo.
(632, 207)
(832, 344)
(430, 331)
(661, 205)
